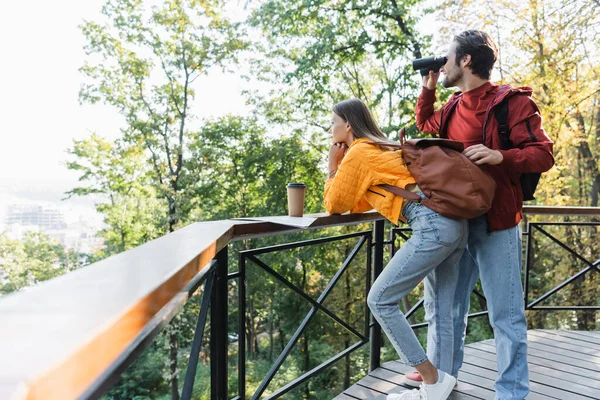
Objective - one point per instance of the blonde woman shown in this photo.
(359, 160)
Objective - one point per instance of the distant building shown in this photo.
(43, 217)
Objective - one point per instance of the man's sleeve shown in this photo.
(532, 148)
(346, 190)
(428, 120)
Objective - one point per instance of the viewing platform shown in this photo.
(562, 365)
(74, 336)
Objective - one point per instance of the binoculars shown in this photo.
(426, 64)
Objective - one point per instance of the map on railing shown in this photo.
(297, 222)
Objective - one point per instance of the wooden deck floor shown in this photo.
(562, 365)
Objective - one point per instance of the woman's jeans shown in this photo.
(435, 247)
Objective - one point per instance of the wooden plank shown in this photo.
(585, 347)
(375, 383)
(344, 396)
(545, 353)
(398, 379)
(573, 352)
(539, 383)
(585, 335)
(562, 365)
(360, 392)
(573, 337)
(488, 352)
(463, 387)
(566, 357)
(388, 375)
(484, 377)
(537, 373)
(588, 334)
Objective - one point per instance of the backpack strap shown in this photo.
(401, 192)
(501, 113)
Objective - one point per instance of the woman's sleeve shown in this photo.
(362, 206)
(346, 190)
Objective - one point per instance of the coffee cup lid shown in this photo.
(296, 185)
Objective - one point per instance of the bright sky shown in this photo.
(41, 49)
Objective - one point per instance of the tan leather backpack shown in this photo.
(455, 187)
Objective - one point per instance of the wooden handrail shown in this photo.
(574, 211)
(58, 337)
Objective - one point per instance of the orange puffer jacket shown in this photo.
(354, 188)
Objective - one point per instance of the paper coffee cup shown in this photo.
(296, 192)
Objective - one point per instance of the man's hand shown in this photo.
(480, 155)
(429, 81)
(337, 151)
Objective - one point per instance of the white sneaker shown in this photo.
(438, 391)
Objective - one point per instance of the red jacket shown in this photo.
(532, 150)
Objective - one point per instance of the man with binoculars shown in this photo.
(494, 250)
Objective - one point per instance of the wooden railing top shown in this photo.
(58, 337)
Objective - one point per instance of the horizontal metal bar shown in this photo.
(574, 308)
(311, 242)
(233, 275)
(301, 379)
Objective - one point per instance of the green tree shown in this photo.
(119, 173)
(235, 170)
(143, 61)
(327, 52)
(34, 259)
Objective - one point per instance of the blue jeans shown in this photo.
(437, 243)
(495, 258)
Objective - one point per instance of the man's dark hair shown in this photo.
(482, 49)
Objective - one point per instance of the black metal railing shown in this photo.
(591, 266)
(373, 243)
(317, 305)
(532, 227)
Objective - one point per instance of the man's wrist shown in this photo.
(332, 173)
(499, 156)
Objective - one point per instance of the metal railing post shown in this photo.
(242, 328)
(218, 330)
(528, 260)
(375, 334)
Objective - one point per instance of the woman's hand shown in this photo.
(337, 151)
